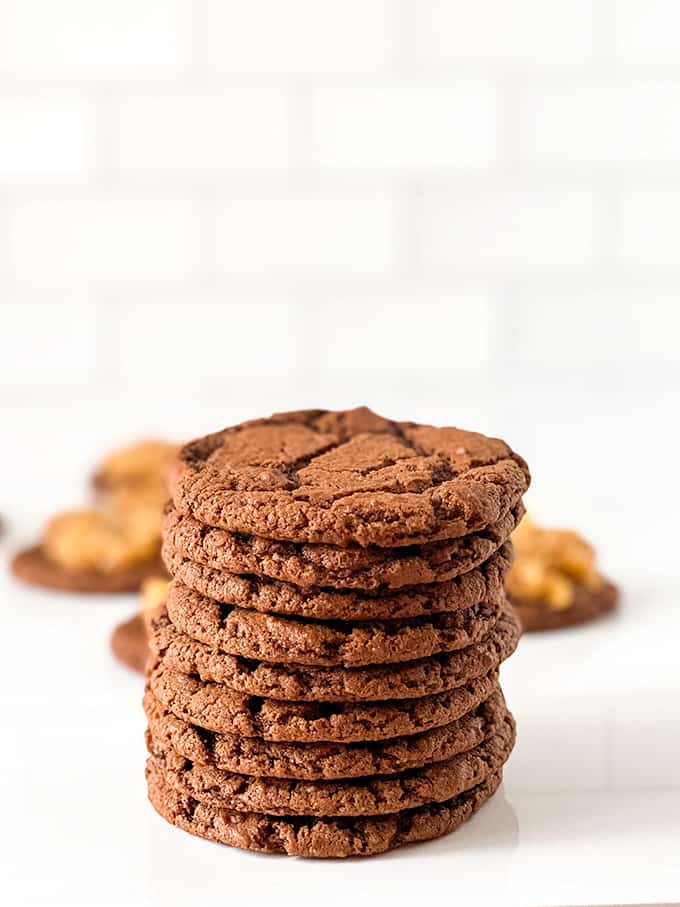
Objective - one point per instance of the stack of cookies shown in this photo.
(324, 676)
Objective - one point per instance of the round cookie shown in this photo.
(268, 637)
(310, 836)
(129, 643)
(483, 583)
(318, 761)
(217, 708)
(345, 478)
(34, 567)
(588, 605)
(405, 680)
(370, 796)
(200, 555)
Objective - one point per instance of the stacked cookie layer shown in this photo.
(325, 671)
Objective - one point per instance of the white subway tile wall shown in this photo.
(646, 30)
(649, 242)
(43, 138)
(418, 334)
(103, 236)
(529, 230)
(52, 341)
(521, 33)
(298, 37)
(406, 126)
(203, 133)
(193, 328)
(76, 40)
(336, 200)
(302, 235)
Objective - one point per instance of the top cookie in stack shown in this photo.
(325, 680)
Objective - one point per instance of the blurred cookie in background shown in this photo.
(115, 544)
(554, 581)
(139, 465)
(129, 640)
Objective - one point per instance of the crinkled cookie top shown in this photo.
(347, 477)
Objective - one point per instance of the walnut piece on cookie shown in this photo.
(115, 543)
(124, 528)
(554, 574)
(549, 564)
(95, 540)
(140, 463)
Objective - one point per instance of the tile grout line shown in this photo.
(105, 149)
(303, 169)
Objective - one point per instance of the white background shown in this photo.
(313, 200)
(465, 213)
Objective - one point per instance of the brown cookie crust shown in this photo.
(588, 605)
(312, 837)
(129, 644)
(405, 680)
(317, 761)
(200, 555)
(348, 477)
(268, 637)
(34, 567)
(372, 796)
(482, 584)
(220, 709)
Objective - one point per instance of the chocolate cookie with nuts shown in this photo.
(554, 582)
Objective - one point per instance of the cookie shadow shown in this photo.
(184, 869)
(492, 830)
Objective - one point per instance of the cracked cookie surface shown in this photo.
(218, 708)
(272, 638)
(410, 679)
(313, 837)
(348, 477)
(259, 593)
(317, 761)
(201, 555)
(371, 796)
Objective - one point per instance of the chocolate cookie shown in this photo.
(316, 761)
(484, 583)
(129, 643)
(405, 680)
(346, 478)
(199, 555)
(588, 605)
(218, 708)
(312, 837)
(34, 567)
(268, 637)
(372, 796)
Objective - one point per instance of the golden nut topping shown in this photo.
(138, 463)
(549, 565)
(123, 529)
(94, 540)
(137, 509)
(152, 595)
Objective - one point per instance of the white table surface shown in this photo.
(589, 812)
